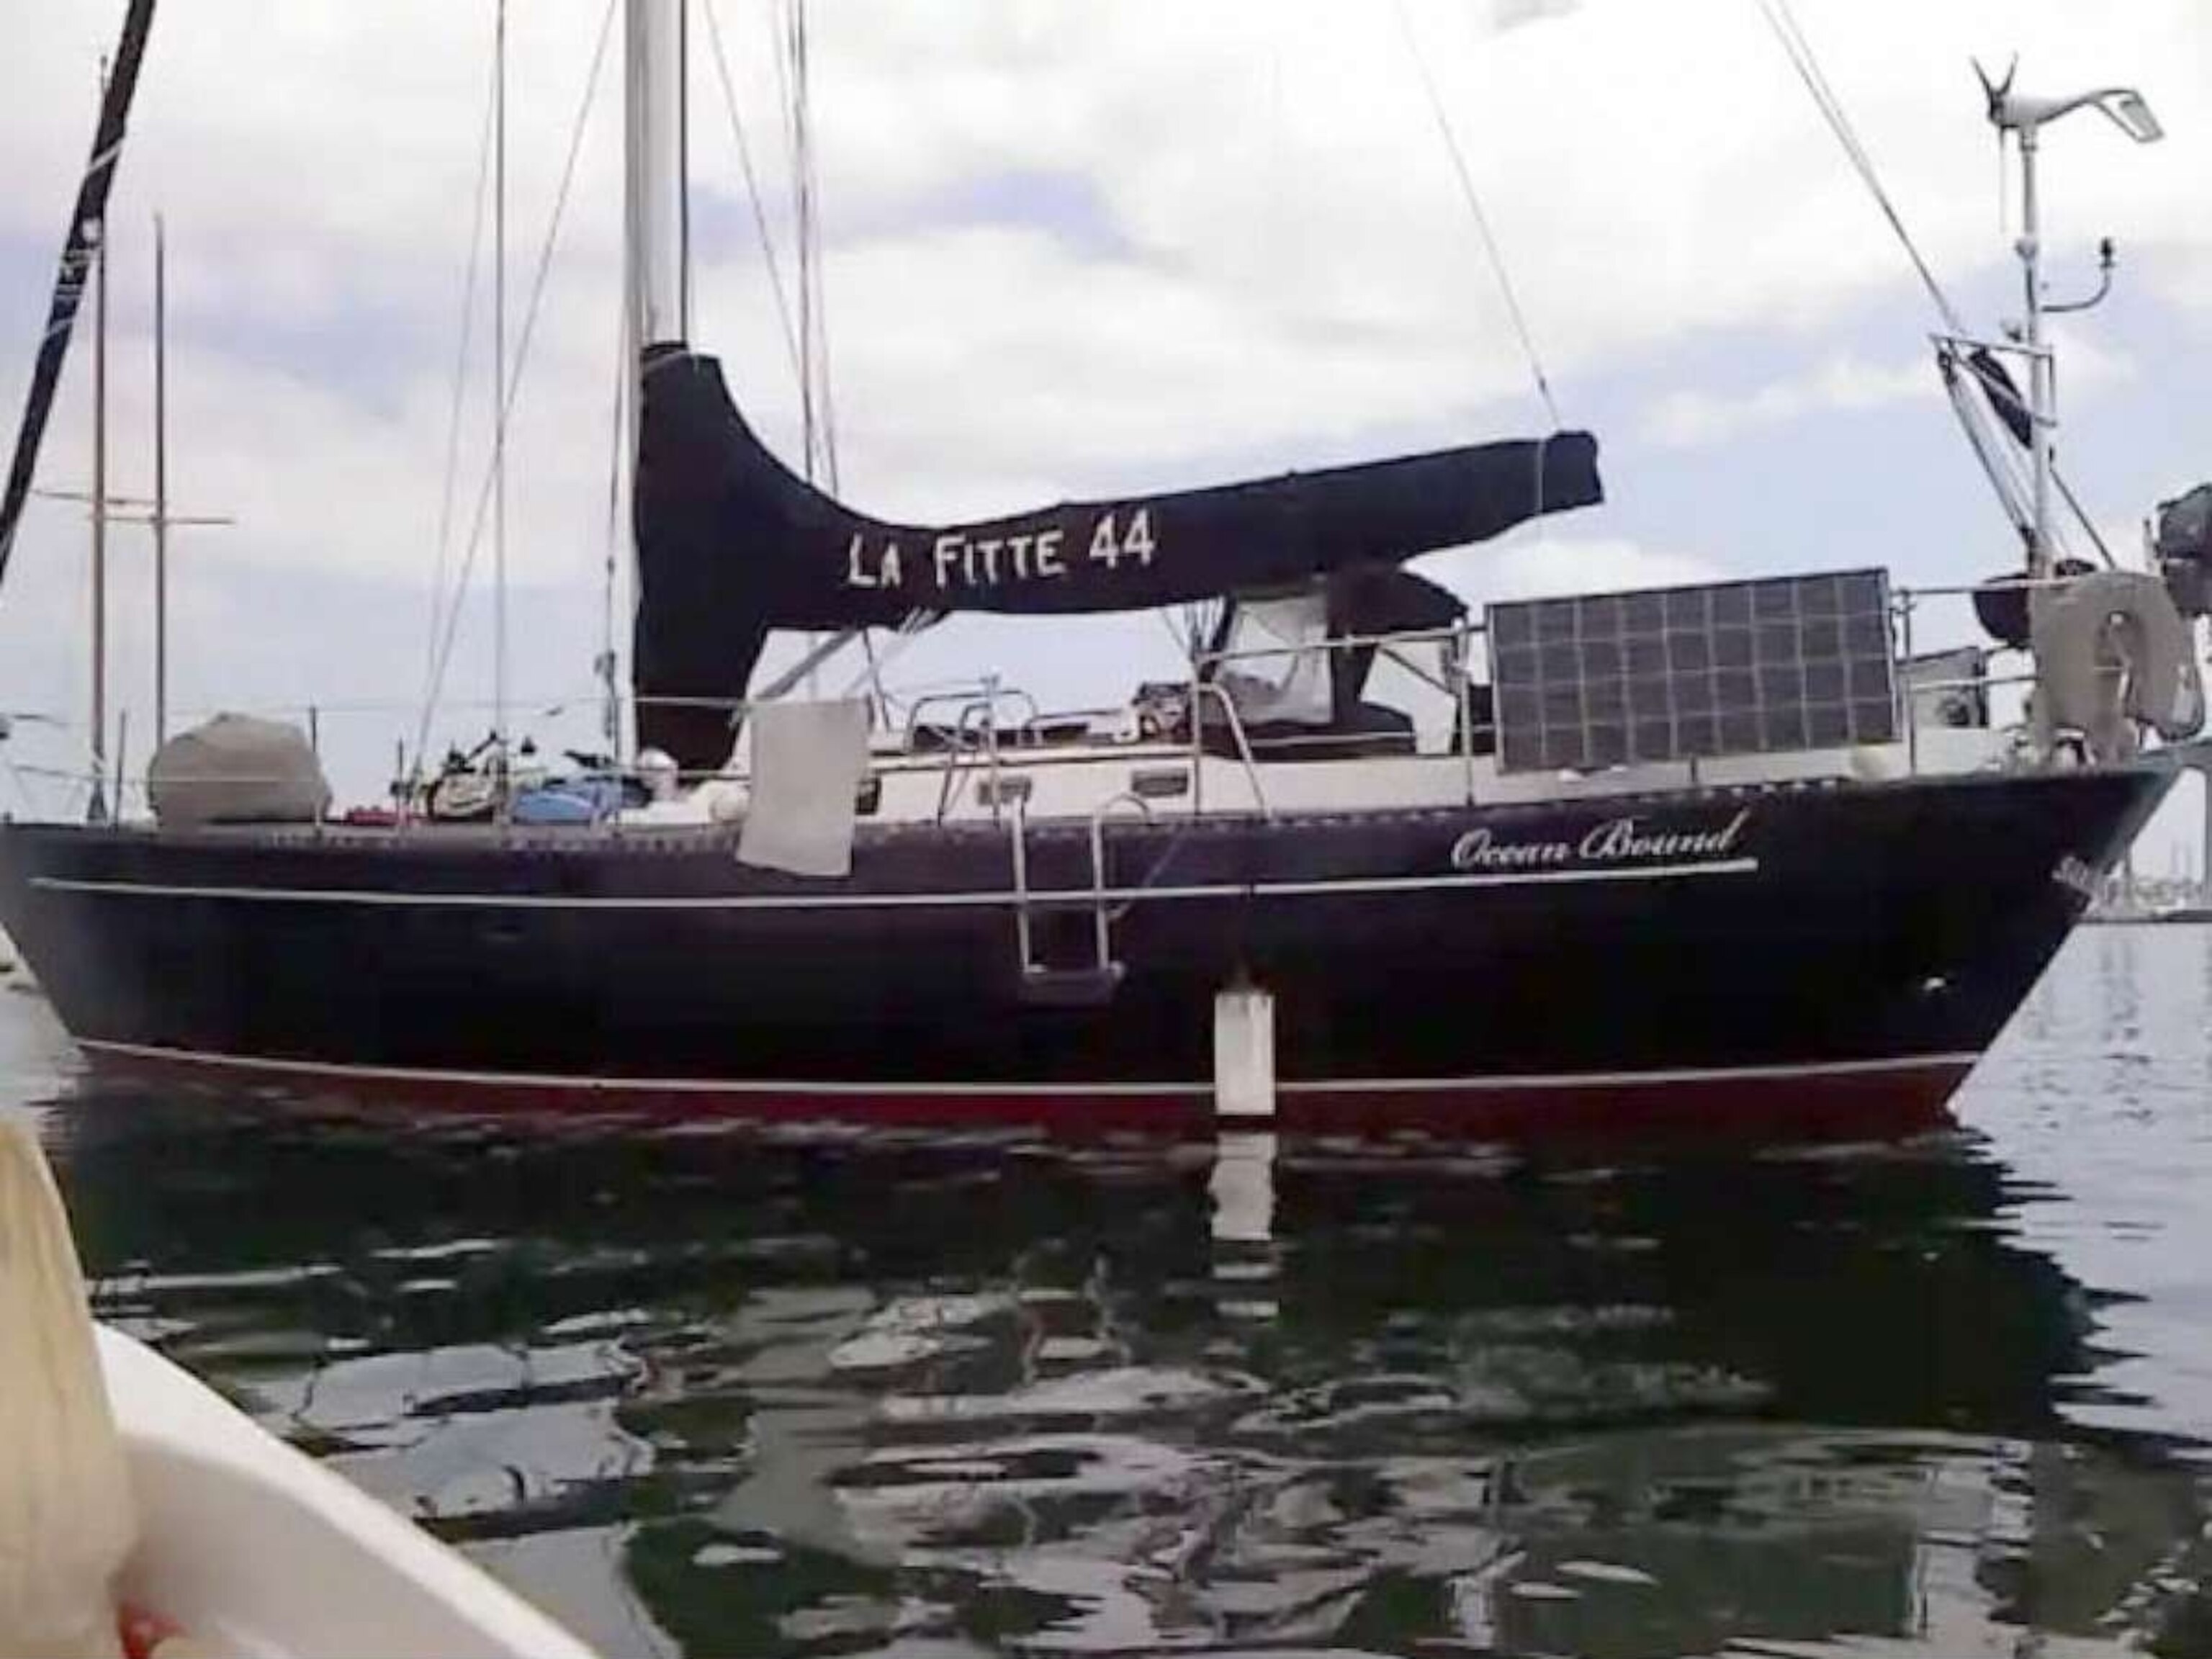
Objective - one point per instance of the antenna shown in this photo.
(2108, 259)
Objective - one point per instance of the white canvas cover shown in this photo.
(808, 761)
(237, 769)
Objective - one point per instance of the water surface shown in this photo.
(722, 1390)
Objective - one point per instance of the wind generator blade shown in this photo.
(87, 226)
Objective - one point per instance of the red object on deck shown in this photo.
(143, 1632)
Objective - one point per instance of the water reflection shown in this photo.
(2118, 973)
(726, 1391)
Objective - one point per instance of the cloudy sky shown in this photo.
(1072, 247)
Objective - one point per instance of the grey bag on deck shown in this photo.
(237, 769)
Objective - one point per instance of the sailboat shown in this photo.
(1700, 854)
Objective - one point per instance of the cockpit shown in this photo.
(1299, 669)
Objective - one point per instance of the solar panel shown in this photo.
(1666, 674)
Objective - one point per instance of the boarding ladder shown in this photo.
(1051, 976)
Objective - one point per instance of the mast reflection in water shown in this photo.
(731, 1391)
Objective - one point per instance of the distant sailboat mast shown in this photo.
(96, 807)
(159, 515)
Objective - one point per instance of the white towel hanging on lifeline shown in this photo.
(808, 761)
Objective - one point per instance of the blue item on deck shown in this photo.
(582, 801)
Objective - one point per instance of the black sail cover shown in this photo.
(732, 545)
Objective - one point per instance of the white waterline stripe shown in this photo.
(1556, 1081)
(1058, 897)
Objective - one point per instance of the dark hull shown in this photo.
(1830, 956)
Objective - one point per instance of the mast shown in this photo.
(499, 393)
(659, 258)
(656, 236)
(608, 664)
(2043, 415)
(96, 809)
(87, 220)
(161, 485)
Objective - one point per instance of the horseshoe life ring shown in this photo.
(2111, 654)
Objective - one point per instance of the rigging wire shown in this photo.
(817, 410)
(802, 197)
(753, 191)
(2004, 467)
(911, 627)
(1806, 63)
(513, 383)
(460, 398)
(873, 674)
(1490, 243)
(1170, 617)
(813, 313)
(2000, 464)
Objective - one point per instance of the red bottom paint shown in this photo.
(1872, 1105)
(1883, 1100)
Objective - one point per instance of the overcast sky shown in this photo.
(1074, 248)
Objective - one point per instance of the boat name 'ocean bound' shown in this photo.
(1617, 840)
(1042, 553)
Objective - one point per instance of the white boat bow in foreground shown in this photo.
(141, 1513)
(251, 1548)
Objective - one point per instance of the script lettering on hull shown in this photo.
(1627, 840)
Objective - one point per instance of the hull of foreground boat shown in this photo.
(1814, 959)
(246, 1545)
